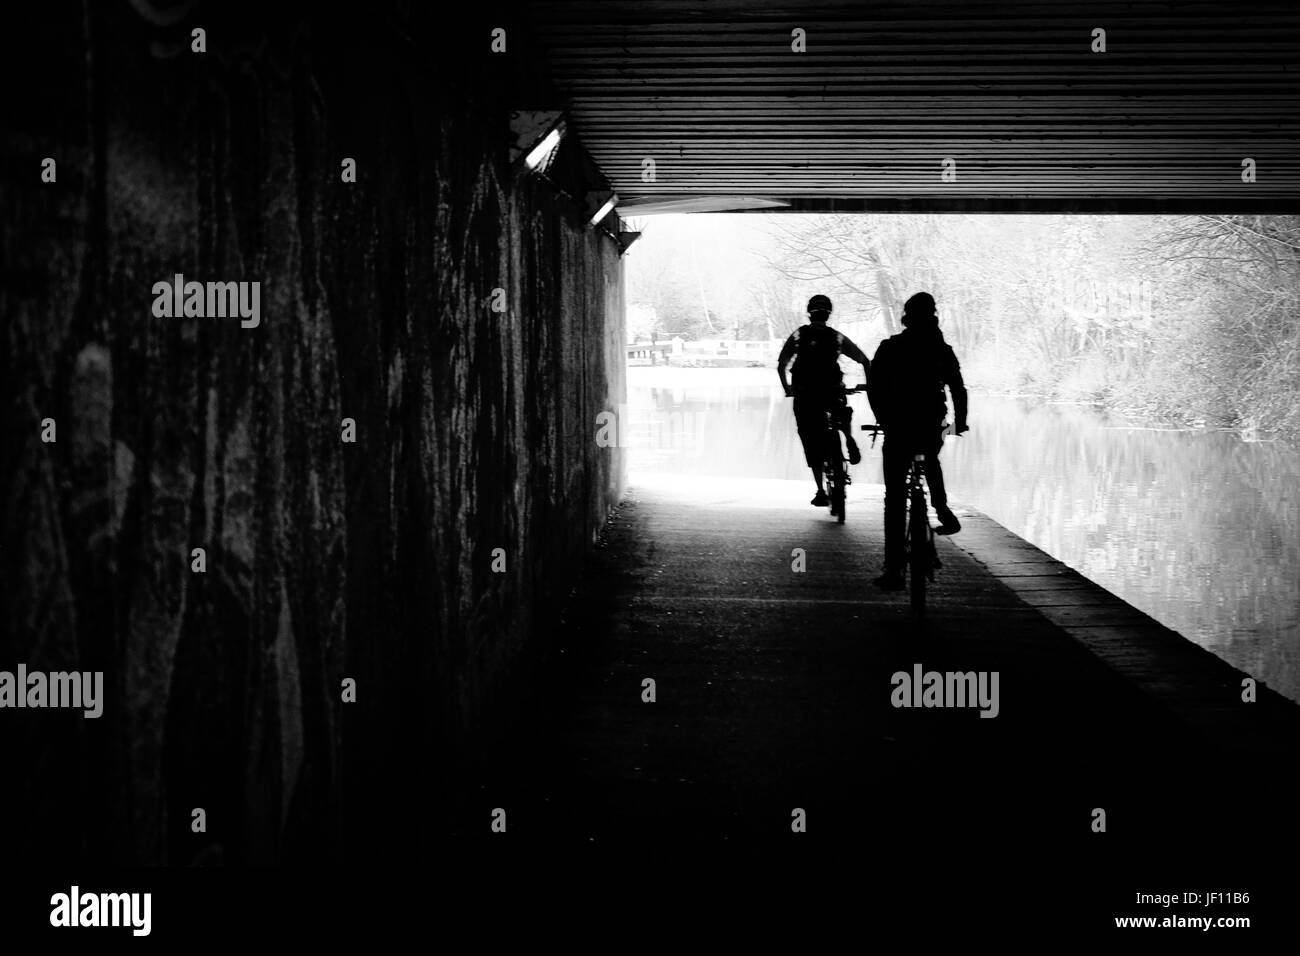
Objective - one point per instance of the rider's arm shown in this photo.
(787, 353)
(852, 351)
(952, 375)
(878, 386)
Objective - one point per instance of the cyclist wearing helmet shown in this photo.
(818, 385)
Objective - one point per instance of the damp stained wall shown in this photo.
(325, 560)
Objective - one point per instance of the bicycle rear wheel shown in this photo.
(918, 547)
(837, 488)
(833, 468)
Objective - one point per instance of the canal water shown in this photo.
(1199, 529)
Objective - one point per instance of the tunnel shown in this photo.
(313, 317)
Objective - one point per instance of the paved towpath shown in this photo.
(774, 692)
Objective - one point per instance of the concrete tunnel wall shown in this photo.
(474, 429)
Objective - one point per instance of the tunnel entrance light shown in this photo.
(535, 134)
(602, 201)
(542, 151)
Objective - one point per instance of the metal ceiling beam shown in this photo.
(713, 93)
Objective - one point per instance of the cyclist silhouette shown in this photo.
(819, 386)
(905, 390)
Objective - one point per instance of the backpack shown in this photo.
(817, 357)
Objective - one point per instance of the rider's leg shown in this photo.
(948, 523)
(820, 499)
(895, 459)
(811, 423)
(844, 421)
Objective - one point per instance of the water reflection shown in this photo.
(1198, 529)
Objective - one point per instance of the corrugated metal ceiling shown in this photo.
(713, 93)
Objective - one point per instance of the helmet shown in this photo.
(819, 303)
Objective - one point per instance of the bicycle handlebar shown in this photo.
(855, 390)
(945, 429)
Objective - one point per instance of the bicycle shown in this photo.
(921, 558)
(835, 462)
